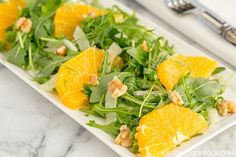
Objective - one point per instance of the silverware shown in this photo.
(193, 7)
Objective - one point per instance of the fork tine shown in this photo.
(180, 6)
(188, 4)
(176, 6)
(182, 3)
(170, 3)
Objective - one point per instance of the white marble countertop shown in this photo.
(30, 126)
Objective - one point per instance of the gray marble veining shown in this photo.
(32, 127)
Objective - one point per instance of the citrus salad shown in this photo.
(105, 64)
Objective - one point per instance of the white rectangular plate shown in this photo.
(80, 117)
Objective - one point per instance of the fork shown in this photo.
(193, 7)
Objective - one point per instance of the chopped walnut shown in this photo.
(24, 24)
(222, 107)
(225, 106)
(61, 51)
(176, 98)
(123, 138)
(144, 46)
(231, 107)
(94, 79)
(117, 88)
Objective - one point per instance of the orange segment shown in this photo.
(18, 3)
(9, 12)
(170, 71)
(74, 74)
(163, 129)
(70, 15)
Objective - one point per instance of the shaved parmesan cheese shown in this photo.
(81, 38)
(212, 115)
(69, 45)
(114, 50)
(50, 85)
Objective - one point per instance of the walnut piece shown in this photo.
(20, 22)
(176, 98)
(144, 46)
(225, 106)
(117, 88)
(231, 107)
(61, 51)
(24, 24)
(94, 79)
(123, 138)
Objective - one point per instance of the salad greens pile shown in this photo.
(145, 92)
(28, 50)
(136, 66)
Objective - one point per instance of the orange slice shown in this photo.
(9, 12)
(18, 2)
(163, 129)
(69, 15)
(74, 74)
(170, 71)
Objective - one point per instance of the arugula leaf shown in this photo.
(51, 6)
(161, 50)
(111, 129)
(35, 5)
(131, 84)
(119, 110)
(17, 56)
(100, 90)
(44, 26)
(53, 64)
(11, 35)
(134, 100)
(40, 7)
(203, 88)
(218, 70)
(30, 58)
(105, 64)
(139, 55)
(199, 93)
(104, 30)
(147, 95)
(2, 47)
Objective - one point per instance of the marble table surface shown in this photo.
(30, 126)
